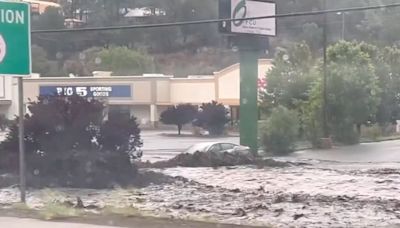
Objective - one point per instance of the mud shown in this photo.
(319, 194)
(200, 159)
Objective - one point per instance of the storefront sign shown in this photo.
(88, 91)
(241, 9)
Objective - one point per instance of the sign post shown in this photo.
(249, 98)
(250, 37)
(21, 141)
(15, 60)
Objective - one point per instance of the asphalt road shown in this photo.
(379, 152)
(164, 145)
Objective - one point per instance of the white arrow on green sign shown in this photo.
(15, 44)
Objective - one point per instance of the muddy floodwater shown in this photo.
(312, 194)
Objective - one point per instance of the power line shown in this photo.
(159, 25)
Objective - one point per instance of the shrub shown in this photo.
(121, 135)
(212, 117)
(281, 130)
(56, 211)
(179, 115)
(68, 144)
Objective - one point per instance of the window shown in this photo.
(119, 112)
(215, 148)
(227, 146)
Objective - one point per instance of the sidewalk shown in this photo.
(133, 222)
(31, 223)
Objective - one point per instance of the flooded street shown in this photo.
(320, 195)
(322, 189)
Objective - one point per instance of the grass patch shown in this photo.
(381, 139)
(50, 195)
(54, 211)
(122, 211)
(21, 207)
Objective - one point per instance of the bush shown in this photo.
(179, 115)
(121, 135)
(212, 117)
(281, 130)
(68, 144)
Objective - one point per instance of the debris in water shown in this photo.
(297, 216)
(240, 212)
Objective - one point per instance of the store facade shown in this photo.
(146, 96)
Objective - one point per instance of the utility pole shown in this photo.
(343, 14)
(343, 24)
(325, 72)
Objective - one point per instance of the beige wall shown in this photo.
(228, 81)
(142, 92)
(8, 96)
(229, 85)
(163, 92)
(223, 86)
(192, 91)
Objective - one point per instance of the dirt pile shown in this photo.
(201, 159)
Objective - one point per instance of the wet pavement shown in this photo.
(378, 152)
(165, 145)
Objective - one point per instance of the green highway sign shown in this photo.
(15, 43)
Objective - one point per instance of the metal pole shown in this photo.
(22, 165)
(249, 97)
(343, 24)
(325, 71)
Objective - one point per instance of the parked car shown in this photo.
(218, 147)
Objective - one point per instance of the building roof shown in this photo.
(44, 3)
(158, 76)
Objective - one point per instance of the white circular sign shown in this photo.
(3, 48)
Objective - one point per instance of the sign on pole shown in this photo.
(250, 37)
(15, 60)
(240, 9)
(15, 54)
